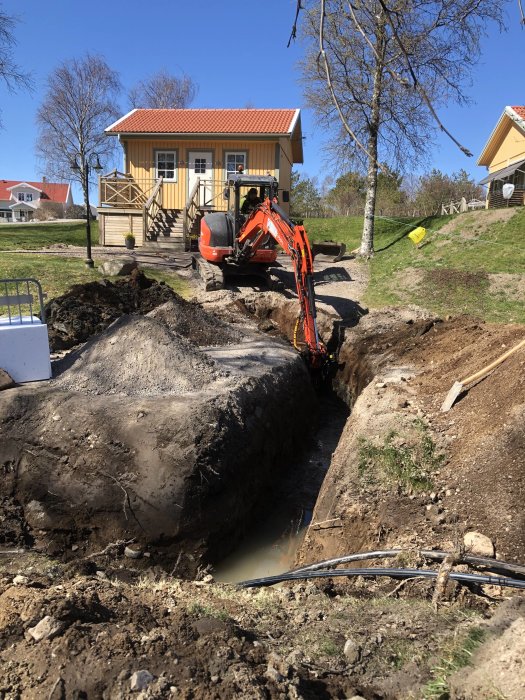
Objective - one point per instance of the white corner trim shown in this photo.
(112, 126)
(294, 121)
(519, 121)
(23, 184)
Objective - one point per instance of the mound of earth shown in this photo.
(143, 435)
(136, 356)
(87, 309)
(112, 634)
(406, 475)
(191, 321)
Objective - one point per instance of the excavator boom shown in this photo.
(268, 219)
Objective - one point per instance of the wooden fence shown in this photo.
(462, 206)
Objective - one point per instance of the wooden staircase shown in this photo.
(167, 230)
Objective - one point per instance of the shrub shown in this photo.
(75, 211)
(49, 210)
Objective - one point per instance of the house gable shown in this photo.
(506, 144)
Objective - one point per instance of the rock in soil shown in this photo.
(47, 628)
(6, 381)
(140, 680)
(478, 544)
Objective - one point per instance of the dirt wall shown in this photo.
(406, 475)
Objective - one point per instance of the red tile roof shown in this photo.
(51, 191)
(520, 111)
(205, 121)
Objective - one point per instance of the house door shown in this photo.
(200, 166)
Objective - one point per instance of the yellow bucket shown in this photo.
(417, 235)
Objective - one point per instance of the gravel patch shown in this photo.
(136, 356)
(189, 320)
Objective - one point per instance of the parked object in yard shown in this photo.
(232, 244)
(24, 342)
(458, 387)
(330, 248)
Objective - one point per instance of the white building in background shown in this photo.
(20, 199)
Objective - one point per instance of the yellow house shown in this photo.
(504, 156)
(176, 162)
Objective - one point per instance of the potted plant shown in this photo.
(129, 240)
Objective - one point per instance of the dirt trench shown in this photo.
(117, 616)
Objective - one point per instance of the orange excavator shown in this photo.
(233, 243)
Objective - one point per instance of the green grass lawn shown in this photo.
(57, 273)
(37, 236)
(476, 266)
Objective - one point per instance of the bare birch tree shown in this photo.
(163, 91)
(377, 71)
(79, 103)
(13, 77)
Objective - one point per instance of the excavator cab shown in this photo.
(237, 189)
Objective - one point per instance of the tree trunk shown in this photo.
(367, 240)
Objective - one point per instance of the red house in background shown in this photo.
(19, 200)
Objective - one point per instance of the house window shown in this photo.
(21, 197)
(233, 160)
(200, 166)
(29, 197)
(166, 164)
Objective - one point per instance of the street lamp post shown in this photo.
(84, 168)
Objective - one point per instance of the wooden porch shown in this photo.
(128, 205)
(496, 199)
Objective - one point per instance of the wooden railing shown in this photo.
(497, 201)
(121, 190)
(190, 213)
(152, 207)
(462, 206)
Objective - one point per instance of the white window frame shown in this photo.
(234, 153)
(21, 197)
(29, 196)
(175, 165)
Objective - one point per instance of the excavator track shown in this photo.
(211, 275)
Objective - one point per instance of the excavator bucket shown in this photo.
(330, 248)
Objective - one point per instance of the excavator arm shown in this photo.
(268, 219)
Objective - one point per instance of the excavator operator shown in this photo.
(250, 201)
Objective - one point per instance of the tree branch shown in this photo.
(416, 84)
(346, 126)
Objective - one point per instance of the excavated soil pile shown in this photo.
(107, 637)
(137, 356)
(87, 309)
(192, 322)
(165, 428)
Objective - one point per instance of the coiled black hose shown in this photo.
(435, 555)
(392, 573)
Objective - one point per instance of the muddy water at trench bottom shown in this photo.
(270, 545)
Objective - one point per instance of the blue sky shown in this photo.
(235, 50)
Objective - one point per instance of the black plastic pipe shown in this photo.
(392, 573)
(435, 555)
